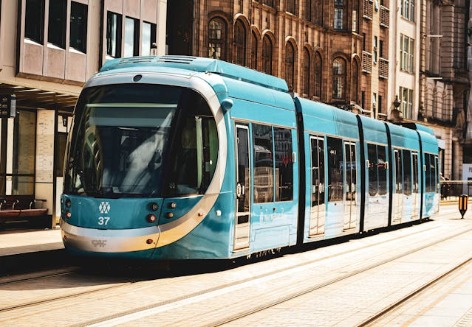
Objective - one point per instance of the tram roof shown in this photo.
(198, 64)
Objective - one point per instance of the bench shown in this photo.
(19, 208)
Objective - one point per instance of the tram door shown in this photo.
(317, 202)
(350, 209)
(335, 180)
(415, 190)
(243, 196)
(397, 207)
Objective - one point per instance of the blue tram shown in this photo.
(178, 157)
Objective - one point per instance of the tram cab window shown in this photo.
(141, 140)
(195, 148)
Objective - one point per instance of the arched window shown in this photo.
(254, 50)
(267, 55)
(318, 75)
(339, 78)
(306, 72)
(290, 65)
(240, 43)
(216, 39)
(355, 82)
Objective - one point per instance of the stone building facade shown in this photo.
(334, 51)
(368, 56)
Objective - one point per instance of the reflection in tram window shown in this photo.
(406, 172)
(415, 173)
(351, 174)
(377, 170)
(373, 178)
(398, 172)
(263, 164)
(335, 169)
(283, 164)
(317, 172)
(382, 169)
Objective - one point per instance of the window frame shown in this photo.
(78, 30)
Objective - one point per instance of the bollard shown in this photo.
(463, 204)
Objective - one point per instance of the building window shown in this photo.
(406, 102)
(269, 3)
(355, 82)
(306, 72)
(34, 20)
(216, 39)
(254, 50)
(267, 55)
(309, 10)
(339, 78)
(131, 37)
(407, 48)
(408, 9)
(57, 23)
(240, 43)
(114, 23)
(148, 38)
(338, 14)
(375, 49)
(78, 26)
(290, 66)
(318, 74)
(291, 6)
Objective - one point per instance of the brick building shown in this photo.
(334, 51)
(369, 56)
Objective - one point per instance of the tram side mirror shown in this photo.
(226, 104)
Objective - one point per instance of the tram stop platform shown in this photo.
(29, 249)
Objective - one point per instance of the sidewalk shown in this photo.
(30, 250)
(19, 241)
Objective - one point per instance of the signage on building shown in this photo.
(7, 105)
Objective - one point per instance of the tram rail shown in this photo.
(279, 281)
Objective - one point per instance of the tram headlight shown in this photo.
(153, 206)
(68, 203)
(151, 218)
(68, 214)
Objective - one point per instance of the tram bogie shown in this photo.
(202, 159)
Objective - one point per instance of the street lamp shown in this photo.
(396, 114)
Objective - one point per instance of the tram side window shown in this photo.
(428, 162)
(263, 163)
(406, 172)
(373, 176)
(415, 173)
(283, 164)
(398, 171)
(317, 172)
(335, 169)
(382, 169)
